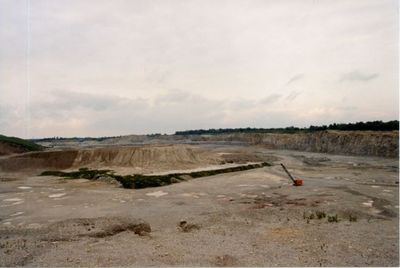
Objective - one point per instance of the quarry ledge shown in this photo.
(139, 181)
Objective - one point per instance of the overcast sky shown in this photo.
(100, 68)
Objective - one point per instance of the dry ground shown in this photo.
(250, 218)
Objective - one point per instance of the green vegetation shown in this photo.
(139, 181)
(370, 125)
(84, 173)
(320, 214)
(28, 145)
(352, 218)
(333, 218)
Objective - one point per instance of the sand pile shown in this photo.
(146, 157)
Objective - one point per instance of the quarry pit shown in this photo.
(345, 214)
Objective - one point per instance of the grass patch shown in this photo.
(139, 181)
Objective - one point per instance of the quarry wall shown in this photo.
(364, 143)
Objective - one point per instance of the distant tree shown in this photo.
(358, 126)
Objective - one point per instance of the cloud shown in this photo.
(175, 96)
(78, 108)
(127, 67)
(72, 113)
(292, 95)
(358, 76)
(242, 104)
(295, 78)
(67, 100)
(270, 99)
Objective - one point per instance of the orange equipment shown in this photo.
(296, 182)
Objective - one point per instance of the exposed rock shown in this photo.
(186, 227)
(373, 143)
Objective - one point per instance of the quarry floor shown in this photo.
(249, 218)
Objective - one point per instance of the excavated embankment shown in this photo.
(142, 157)
(364, 143)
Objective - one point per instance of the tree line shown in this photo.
(358, 126)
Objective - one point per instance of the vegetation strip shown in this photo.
(359, 126)
(28, 145)
(138, 181)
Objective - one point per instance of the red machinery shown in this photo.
(296, 182)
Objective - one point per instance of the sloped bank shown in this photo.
(363, 143)
(162, 157)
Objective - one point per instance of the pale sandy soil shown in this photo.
(249, 218)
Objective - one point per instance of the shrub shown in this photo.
(333, 218)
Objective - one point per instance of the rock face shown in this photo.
(366, 143)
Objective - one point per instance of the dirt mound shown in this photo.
(6, 148)
(146, 157)
(14, 145)
(39, 160)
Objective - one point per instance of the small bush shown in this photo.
(320, 214)
(308, 217)
(352, 218)
(333, 218)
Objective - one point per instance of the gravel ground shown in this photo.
(250, 218)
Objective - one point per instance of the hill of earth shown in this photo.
(12, 145)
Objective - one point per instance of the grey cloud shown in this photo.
(292, 95)
(108, 49)
(61, 103)
(295, 78)
(85, 113)
(271, 99)
(73, 99)
(175, 96)
(242, 104)
(348, 108)
(358, 76)
(4, 117)
(171, 111)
